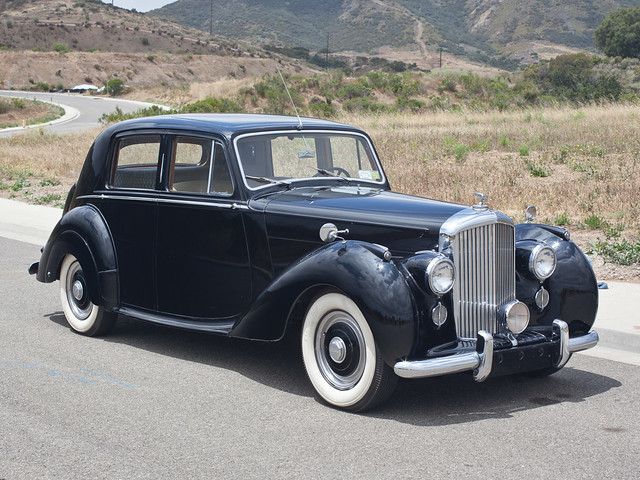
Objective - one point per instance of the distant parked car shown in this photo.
(250, 225)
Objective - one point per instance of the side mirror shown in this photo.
(530, 214)
(329, 233)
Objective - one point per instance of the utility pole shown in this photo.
(441, 57)
(326, 56)
(211, 20)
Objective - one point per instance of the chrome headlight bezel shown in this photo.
(539, 264)
(440, 268)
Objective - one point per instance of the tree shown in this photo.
(619, 33)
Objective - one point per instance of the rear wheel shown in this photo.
(341, 357)
(82, 314)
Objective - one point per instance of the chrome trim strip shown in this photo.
(232, 205)
(564, 352)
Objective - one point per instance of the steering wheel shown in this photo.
(338, 170)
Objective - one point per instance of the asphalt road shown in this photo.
(152, 402)
(83, 112)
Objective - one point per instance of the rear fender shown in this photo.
(83, 233)
(375, 285)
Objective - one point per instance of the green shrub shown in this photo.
(536, 170)
(622, 252)
(213, 105)
(114, 87)
(594, 222)
(60, 47)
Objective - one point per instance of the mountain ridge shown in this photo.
(498, 32)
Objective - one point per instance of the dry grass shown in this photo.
(59, 157)
(590, 156)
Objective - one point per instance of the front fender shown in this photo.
(83, 233)
(375, 285)
(573, 288)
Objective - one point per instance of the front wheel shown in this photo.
(82, 314)
(341, 357)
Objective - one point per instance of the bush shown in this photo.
(213, 105)
(60, 47)
(114, 87)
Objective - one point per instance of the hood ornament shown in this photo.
(482, 198)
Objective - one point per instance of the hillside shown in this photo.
(65, 43)
(91, 25)
(500, 32)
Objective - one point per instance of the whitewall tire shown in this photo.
(82, 315)
(341, 357)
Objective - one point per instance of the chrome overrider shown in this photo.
(481, 361)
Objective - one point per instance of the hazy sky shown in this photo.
(140, 5)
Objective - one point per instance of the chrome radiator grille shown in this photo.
(484, 257)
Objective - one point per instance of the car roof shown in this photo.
(229, 124)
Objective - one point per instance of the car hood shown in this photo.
(360, 205)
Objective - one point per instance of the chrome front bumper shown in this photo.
(481, 361)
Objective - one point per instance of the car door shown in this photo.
(129, 208)
(202, 263)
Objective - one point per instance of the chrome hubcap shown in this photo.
(78, 290)
(337, 350)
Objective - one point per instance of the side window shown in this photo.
(199, 166)
(136, 162)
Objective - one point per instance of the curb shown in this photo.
(610, 338)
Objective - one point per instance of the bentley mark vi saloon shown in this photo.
(254, 225)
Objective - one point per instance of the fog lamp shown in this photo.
(516, 316)
(440, 275)
(542, 262)
(439, 315)
(542, 298)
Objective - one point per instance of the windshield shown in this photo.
(285, 156)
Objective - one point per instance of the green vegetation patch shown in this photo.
(621, 252)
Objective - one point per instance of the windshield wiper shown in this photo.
(268, 180)
(328, 173)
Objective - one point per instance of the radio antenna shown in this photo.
(291, 99)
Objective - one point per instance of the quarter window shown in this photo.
(136, 162)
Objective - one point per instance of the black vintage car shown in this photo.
(250, 225)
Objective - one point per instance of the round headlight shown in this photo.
(542, 262)
(516, 316)
(440, 275)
